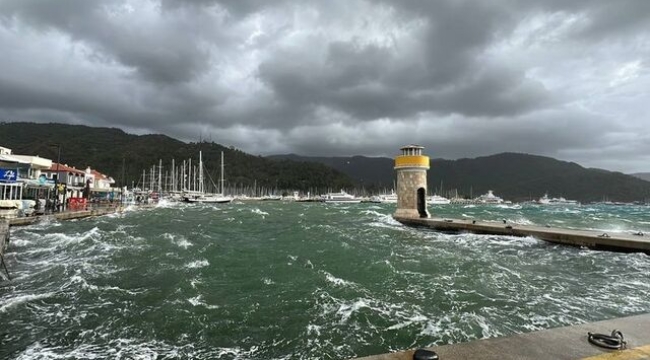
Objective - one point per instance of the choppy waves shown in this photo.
(300, 281)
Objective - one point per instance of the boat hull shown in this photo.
(207, 200)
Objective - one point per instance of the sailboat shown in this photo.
(201, 196)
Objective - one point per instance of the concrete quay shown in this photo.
(588, 238)
(66, 215)
(560, 343)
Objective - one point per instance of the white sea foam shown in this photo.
(10, 302)
(178, 240)
(133, 349)
(336, 281)
(415, 319)
(259, 212)
(197, 264)
(520, 221)
(196, 301)
(346, 309)
(65, 239)
(20, 243)
(313, 329)
(510, 207)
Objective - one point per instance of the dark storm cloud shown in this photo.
(166, 53)
(340, 77)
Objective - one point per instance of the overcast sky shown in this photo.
(568, 79)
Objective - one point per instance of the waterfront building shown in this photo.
(19, 184)
(98, 182)
(71, 181)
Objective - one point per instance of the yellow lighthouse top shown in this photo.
(412, 157)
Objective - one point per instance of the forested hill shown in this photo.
(513, 176)
(105, 149)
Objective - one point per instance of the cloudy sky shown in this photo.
(568, 79)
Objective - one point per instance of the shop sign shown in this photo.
(8, 175)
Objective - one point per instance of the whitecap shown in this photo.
(178, 240)
(197, 264)
(415, 319)
(346, 310)
(336, 281)
(20, 299)
(259, 212)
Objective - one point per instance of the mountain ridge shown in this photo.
(514, 176)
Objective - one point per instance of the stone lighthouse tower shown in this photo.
(411, 167)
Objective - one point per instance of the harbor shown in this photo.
(334, 275)
(297, 180)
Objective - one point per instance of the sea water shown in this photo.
(275, 280)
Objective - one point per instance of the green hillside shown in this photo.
(106, 149)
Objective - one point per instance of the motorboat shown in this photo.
(340, 197)
(438, 200)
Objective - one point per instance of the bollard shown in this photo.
(421, 354)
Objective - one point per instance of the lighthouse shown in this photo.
(411, 168)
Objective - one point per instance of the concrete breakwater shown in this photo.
(592, 239)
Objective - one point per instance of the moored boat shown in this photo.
(340, 197)
(200, 197)
(438, 200)
(385, 198)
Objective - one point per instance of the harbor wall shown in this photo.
(66, 215)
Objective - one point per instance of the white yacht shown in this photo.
(340, 197)
(207, 199)
(438, 200)
(489, 198)
(385, 198)
(271, 197)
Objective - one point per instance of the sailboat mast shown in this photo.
(200, 172)
(222, 173)
(173, 179)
